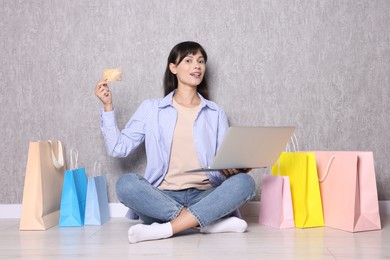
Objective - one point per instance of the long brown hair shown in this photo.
(177, 54)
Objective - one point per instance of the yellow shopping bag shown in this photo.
(301, 168)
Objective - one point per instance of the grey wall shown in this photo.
(323, 66)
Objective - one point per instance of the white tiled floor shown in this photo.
(259, 242)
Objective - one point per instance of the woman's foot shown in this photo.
(141, 232)
(231, 224)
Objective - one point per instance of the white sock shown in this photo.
(141, 232)
(231, 224)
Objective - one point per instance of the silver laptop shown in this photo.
(250, 147)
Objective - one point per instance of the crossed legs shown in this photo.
(175, 218)
(184, 221)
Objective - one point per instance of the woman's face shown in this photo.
(190, 71)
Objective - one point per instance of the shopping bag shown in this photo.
(276, 204)
(42, 185)
(74, 194)
(97, 210)
(348, 190)
(301, 168)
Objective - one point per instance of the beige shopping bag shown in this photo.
(42, 185)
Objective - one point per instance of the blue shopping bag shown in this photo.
(97, 211)
(74, 192)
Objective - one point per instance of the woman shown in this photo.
(181, 131)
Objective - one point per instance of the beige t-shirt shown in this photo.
(183, 154)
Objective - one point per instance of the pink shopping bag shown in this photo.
(276, 205)
(348, 190)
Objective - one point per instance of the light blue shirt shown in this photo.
(154, 123)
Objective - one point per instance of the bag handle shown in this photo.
(278, 167)
(294, 137)
(270, 168)
(327, 168)
(96, 169)
(58, 163)
(74, 157)
(294, 142)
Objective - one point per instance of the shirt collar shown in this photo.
(167, 101)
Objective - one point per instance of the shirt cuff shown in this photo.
(107, 118)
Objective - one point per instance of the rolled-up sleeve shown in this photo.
(121, 143)
(110, 130)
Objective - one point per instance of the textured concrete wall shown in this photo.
(323, 66)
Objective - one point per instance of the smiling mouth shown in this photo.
(197, 74)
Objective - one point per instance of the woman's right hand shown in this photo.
(102, 91)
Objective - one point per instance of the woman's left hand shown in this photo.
(231, 172)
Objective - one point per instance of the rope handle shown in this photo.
(74, 157)
(58, 163)
(270, 168)
(294, 142)
(327, 168)
(96, 169)
(294, 137)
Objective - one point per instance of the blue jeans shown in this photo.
(154, 205)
